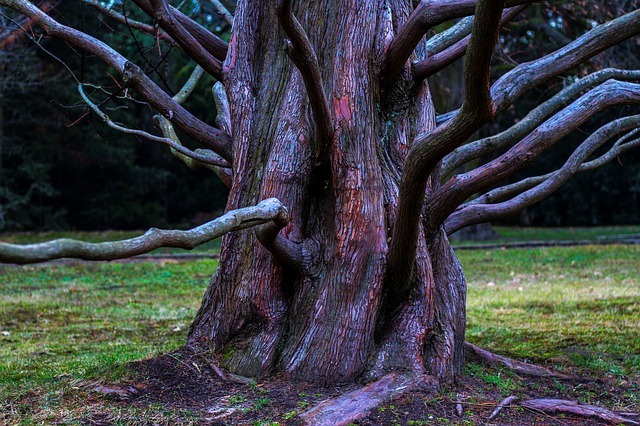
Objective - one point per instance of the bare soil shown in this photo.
(183, 381)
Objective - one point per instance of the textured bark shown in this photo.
(325, 320)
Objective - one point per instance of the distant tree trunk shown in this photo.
(324, 319)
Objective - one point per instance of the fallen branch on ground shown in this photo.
(553, 406)
(516, 366)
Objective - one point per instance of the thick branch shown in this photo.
(303, 56)
(265, 211)
(526, 76)
(493, 143)
(427, 14)
(133, 75)
(213, 44)
(428, 150)
(284, 250)
(438, 61)
(444, 201)
(188, 43)
(480, 211)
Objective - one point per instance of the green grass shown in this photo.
(62, 327)
(577, 307)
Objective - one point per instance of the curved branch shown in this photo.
(284, 250)
(449, 37)
(516, 188)
(428, 149)
(188, 43)
(437, 61)
(444, 201)
(426, 15)
(213, 44)
(209, 136)
(123, 19)
(303, 56)
(490, 144)
(265, 211)
(526, 76)
(479, 211)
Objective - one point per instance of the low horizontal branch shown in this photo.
(268, 210)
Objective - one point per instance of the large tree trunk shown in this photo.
(325, 319)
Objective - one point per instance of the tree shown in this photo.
(325, 113)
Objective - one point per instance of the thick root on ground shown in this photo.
(516, 366)
(355, 405)
(555, 406)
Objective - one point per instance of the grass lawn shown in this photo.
(64, 328)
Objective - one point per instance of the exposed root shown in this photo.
(508, 400)
(553, 406)
(516, 366)
(355, 405)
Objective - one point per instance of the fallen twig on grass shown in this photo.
(508, 400)
(552, 406)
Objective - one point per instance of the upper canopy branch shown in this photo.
(440, 59)
(426, 15)
(526, 76)
(304, 57)
(528, 192)
(212, 43)
(211, 137)
(124, 19)
(445, 200)
(164, 15)
(265, 211)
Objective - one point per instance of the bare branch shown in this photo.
(303, 56)
(188, 43)
(526, 76)
(212, 159)
(489, 144)
(211, 137)
(146, 28)
(449, 37)
(554, 406)
(443, 202)
(213, 44)
(265, 211)
(428, 149)
(516, 188)
(437, 61)
(426, 15)
(222, 170)
(222, 11)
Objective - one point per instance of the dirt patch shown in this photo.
(183, 382)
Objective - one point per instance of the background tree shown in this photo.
(324, 105)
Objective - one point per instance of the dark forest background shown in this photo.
(62, 168)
